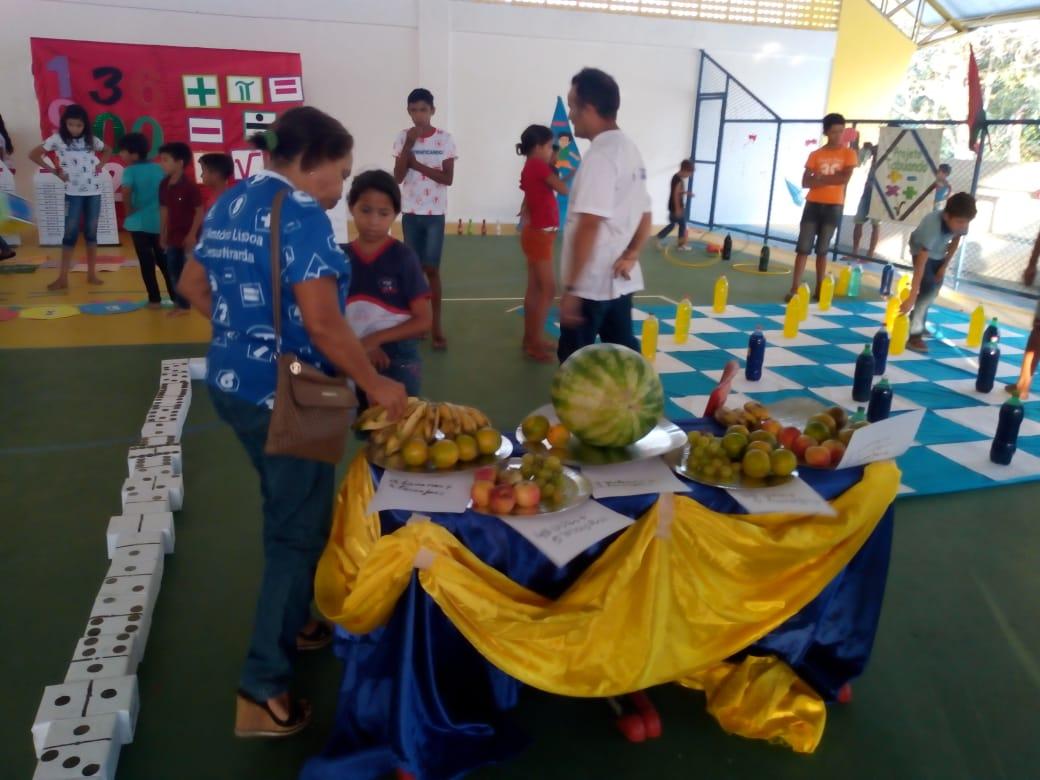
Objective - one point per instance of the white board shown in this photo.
(50, 211)
(903, 176)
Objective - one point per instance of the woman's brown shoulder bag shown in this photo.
(313, 411)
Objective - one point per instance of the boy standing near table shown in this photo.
(827, 171)
(424, 166)
(933, 245)
(608, 221)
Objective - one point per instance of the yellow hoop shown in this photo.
(681, 264)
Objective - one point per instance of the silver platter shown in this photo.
(677, 460)
(576, 491)
(377, 459)
(666, 437)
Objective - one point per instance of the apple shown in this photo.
(503, 499)
(837, 450)
(481, 492)
(787, 436)
(802, 443)
(773, 426)
(528, 494)
(486, 474)
(818, 456)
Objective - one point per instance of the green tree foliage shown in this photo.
(1009, 67)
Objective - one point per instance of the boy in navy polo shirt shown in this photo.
(388, 306)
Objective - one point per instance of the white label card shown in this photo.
(633, 479)
(422, 492)
(563, 537)
(794, 497)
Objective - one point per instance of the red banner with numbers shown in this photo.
(212, 99)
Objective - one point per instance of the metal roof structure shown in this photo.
(930, 21)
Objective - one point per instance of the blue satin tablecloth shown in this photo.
(415, 694)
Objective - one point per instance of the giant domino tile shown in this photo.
(83, 722)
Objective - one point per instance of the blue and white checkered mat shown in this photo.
(951, 451)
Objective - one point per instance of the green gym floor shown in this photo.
(951, 692)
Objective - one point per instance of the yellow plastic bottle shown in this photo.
(976, 326)
(803, 301)
(826, 292)
(792, 316)
(905, 280)
(648, 344)
(683, 312)
(900, 333)
(844, 277)
(718, 303)
(891, 310)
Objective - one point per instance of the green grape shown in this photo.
(528, 460)
(548, 491)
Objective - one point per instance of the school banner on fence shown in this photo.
(568, 157)
(212, 99)
(903, 176)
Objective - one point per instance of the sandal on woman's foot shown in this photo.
(318, 637)
(255, 719)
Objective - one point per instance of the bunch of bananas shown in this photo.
(422, 419)
(751, 416)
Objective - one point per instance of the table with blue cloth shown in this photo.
(417, 694)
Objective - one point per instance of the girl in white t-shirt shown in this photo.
(79, 166)
(6, 150)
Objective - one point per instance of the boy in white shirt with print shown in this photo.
(608, 221)
(424, 166)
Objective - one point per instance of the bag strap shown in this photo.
(276, 267)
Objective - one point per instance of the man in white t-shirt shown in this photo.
(424, 166)
(608, 221)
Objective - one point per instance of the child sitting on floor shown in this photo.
(388, 305)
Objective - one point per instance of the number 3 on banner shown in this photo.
(109, 78)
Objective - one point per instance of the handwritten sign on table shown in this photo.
(794, 497)
(883, 440)
(562, 538)
(633, 479)
(422, 492)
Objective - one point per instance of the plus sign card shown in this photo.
(212, 99)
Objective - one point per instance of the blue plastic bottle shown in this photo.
(854, 282)
(756, 354)
(886, 279)
(880, 350)
(989, 358)
(992, 332)
(1006, 440)
(880, 405)
(864, 376)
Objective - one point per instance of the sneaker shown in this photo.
(917, 344)
(7, 255)
(685, 248)
(660, 245)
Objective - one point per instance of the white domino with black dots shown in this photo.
(82, 723)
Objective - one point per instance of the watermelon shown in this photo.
(608, 395)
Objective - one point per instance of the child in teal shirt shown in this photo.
(141, 200)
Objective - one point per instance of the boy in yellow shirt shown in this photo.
(827, 171)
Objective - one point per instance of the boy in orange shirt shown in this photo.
(827, 171)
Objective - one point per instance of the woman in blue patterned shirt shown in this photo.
(229, 280)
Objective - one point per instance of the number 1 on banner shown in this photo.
(59, 66)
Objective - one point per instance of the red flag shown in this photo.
(976, 113)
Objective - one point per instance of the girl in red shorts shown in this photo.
(539, 221)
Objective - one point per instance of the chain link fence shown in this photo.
(749, 164)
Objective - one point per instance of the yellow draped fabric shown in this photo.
(678, 592)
